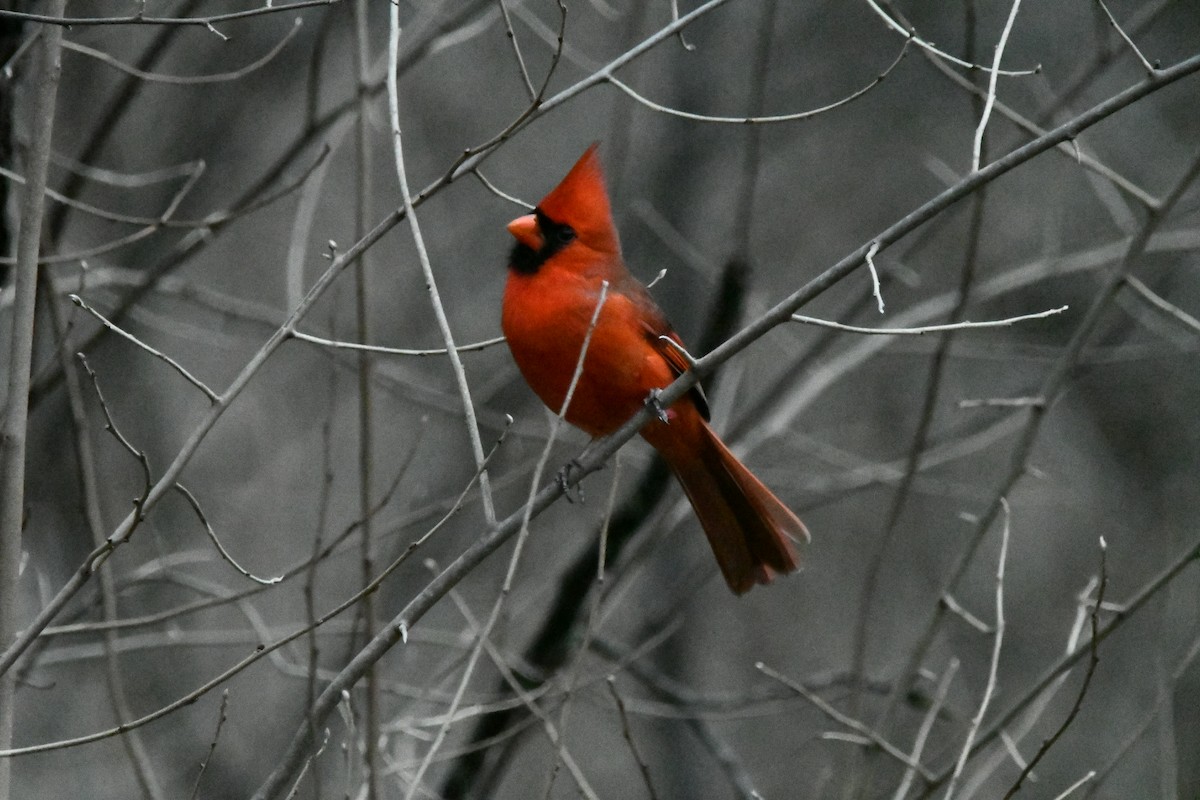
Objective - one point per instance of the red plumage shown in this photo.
(564, 251)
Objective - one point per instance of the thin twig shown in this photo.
(935, 708)
(491, 187)
(977, 147)
(394, 351)
(766, 119)
(1001, 402)
(111, 427)
(1093, 660)
(1150, 68)
(141, 19)
(439, 310)
(212, 746)
(998, 640)
(919, 331)
(869, 257)
(941, 54)
(1170, 309)
(593, 616)
(132, 742)
(1071, 789)
(851, 723)
(516, 48)
(611, 683)
(975, 622)
(175, 365)
(684, 43)
(212, 536)
(187, 80)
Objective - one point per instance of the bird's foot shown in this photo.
(655, 404)
(564, 482)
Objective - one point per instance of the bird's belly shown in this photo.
(620, 366)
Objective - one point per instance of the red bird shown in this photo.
(565, 249)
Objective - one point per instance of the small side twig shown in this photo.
(212, 536)
(516, 48)
(993, 73)
(870, 259)
(684, 43)
(1002, 402)
(920, 331)
(112, 428)
(853, 724)
(766, 119)
(1150, 68)
(1170, 309)
(175, 365)
(1093, 660)
(611, 683)
(187, 80)
(939, 699)
(221, 717)
(491, 187)
(998, 641)
(956, 608)
(933, 50)
(394, 351)
(439, 309)
(1071, 789)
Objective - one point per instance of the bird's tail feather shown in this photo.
(753, 535)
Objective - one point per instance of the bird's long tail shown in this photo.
(752, 534)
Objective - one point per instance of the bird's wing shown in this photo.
(656, 325)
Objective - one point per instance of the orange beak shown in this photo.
(526, 231)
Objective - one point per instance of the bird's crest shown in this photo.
(581, 201)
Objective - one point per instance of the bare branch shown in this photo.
(212, 746)
(187, 80)
(1170, 309)
(1093, 660)
(920, 331)
(941, 54)
(395, 351)
(175, 365)
(994, 666)
(939, 699)
(212, 536)
(611, 683)
(141, 19)
(977, 148)
(1150, 68)
(871, 735)
(439, 310)
(761, 120)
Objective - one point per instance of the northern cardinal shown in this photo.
(565, 249)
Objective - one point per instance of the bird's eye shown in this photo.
(565, 233)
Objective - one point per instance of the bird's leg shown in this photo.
(657, 407)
